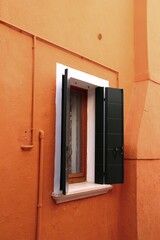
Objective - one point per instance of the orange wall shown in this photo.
(142, 127)
(75, 26)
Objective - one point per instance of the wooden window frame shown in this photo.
(81, 177)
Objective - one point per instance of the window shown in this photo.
(78, 135)
(104, 134)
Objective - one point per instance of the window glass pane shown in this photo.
(75, 118)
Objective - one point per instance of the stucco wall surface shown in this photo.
(19, 178)
(148, 204)
(75, 26)
(142, 127)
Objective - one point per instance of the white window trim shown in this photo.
(88, 188)
(82, 190)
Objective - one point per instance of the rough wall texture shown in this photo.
(98, 216)
(129, 211)
(142, 128)
(148, 204)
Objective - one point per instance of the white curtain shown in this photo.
(75, 117)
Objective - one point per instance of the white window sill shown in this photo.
(81, 190)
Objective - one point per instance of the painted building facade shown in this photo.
(113, 40)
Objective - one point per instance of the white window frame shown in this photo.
(89, 82)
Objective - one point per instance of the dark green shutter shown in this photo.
(114, 153)
(109, 136)
(99, 135)
(65, 132)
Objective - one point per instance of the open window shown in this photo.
(78, 132)
(89, 133)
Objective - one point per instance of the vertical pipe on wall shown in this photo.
(30, 146)
(40, 185)
(33, 89)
